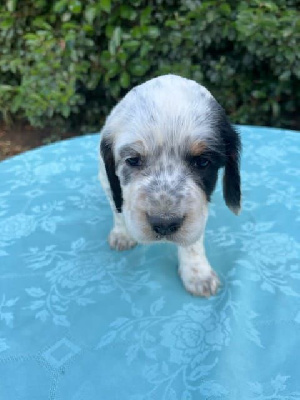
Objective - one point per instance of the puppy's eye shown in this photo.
(134, 161)
(199, 162)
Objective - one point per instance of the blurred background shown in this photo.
(65, 63)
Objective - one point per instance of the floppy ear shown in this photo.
(110, 167)
(231, 178)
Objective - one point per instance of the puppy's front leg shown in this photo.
(119, 238)
(195, 271)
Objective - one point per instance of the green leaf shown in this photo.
(105, 5)
(225, 8)
(258, 94)
(6, 88)
(153, 32)
(31, 36)
(60, 6)
(122, 56)
(113, 71)
(6, 23)
(90, 14)
(136, 32)
(109, 30)
(75, 6)
(115, 40)
(11, 5)
(88, 28)
(140, 68)
(285, 76)
(125, 80)
(131, 44)
(145, 16)
(66, 16)
(127, 12)
(40, 22)
(145, 48)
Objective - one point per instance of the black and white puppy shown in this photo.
(161, 149)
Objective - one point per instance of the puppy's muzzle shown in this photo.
(165, 226)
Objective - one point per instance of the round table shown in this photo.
(80, 321)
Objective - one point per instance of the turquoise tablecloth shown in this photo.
(79, 321)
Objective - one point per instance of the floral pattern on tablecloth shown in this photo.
(80, 321)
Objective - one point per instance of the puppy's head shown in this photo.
(162, 147)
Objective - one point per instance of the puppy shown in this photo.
(160, 152)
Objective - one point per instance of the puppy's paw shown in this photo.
(119, 240)
(198, 283)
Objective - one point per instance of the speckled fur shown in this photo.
(163, 121)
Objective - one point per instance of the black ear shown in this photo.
(231, 178)
(110, 167)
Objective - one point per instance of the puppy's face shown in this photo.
(166, 188)
(163, 145)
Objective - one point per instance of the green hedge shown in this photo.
(69, 61)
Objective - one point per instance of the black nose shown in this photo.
(165, 225)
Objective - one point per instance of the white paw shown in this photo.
(119, 240)
(198, 283)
